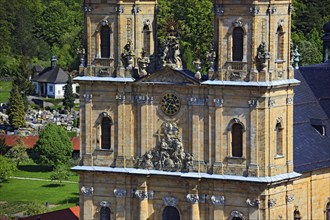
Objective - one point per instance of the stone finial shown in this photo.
(127, 56)
(143, 63)
(211, 56)
(296, 57)
(197, 64)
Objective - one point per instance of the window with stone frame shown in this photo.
(238, 44)
(106, 133)
(237, 140)
(170, 213)
(105, 213)
(279, 139)
(105, 41)
(147, 37)
(279, 43)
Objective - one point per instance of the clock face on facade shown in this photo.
(170, 104)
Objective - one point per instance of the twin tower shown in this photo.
(251, 39)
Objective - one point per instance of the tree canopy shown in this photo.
(53, 147)
(16, 110)
(7, 167)
(68, 101)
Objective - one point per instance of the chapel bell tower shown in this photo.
(119, 38)
(252, 39)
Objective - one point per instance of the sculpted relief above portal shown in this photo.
(169, 153)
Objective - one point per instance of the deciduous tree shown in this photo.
(53, 147)
(7, 167)
(18, 152)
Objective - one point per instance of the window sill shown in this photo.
(232, 159)
(279, 156)
(280, 61)
(104, 150)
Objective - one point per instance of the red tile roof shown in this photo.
(30, 141)
(64, 214)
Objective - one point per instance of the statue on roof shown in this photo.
(171, 52)
(262, 57)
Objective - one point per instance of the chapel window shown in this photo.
(279, 139)
(279, 43)
(105, 213)
(106, 133)
(171, 213)
(237, 140)
(105, 41)
(238, 35)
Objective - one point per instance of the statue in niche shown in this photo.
(171, 53)
(169, 152)
(127, 56)
(262, 57)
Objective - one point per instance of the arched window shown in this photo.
(237, 140)
(238, 35)
(279, 43)
(105, 213)
(327, 212)
(146, 37)
(279, 139)
(105, 41)
(106, 133)
(171, 213)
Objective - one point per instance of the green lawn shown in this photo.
(5, 88)
(16, 194)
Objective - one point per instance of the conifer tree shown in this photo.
(68, 101)
(16, 109)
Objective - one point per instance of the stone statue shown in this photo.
(262, 57)
(169, 152)
(127, 56)
(143, 63)
(171, 52)
(296, 57)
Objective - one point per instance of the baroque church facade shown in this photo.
(162, 142)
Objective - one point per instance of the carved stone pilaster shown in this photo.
(271, 103)
(218, 200)
(192, 198)
(87, 190)
(289, 100)
(271, 203)
(254, 10)
(119, 9)
(121, 98)
(253, 202)
(88, 98)
(237, 214)
(289, 198)
(143, 99)
(218, 103)
(170, 201)
(120, 193)
(140, 194)
(197, 101)
(253, 103)
(218, 10)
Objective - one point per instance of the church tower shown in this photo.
(117, 34)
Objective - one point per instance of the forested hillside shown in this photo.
(36, 29)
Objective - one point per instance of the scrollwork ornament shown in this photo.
(289, 198)
(289, 101)
(254, 10)
(119, 9)
(121, 193)
(253, 103)
(192, 198)
(237, 214)
(253, 203)
(105, 204)
(218, 200)
(271, 203)
(87, 191)
(170, 201)
(218, 10)
(218, 103)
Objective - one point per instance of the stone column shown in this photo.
(253, 166)
(86, 201)
(143, 195)
(194, 211)
(253, 208)
(120, 128)
(218, 134)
